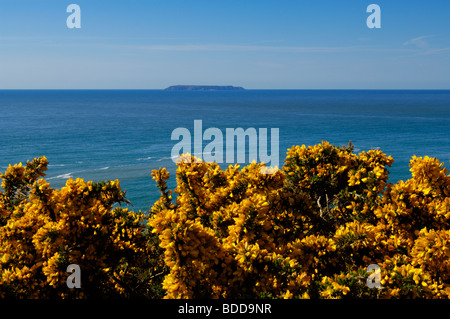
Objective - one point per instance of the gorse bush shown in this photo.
(43, 230)
(309, 230)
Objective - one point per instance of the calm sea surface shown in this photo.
(124, 134)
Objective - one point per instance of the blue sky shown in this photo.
(264, 44)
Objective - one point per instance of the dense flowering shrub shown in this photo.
(43, 230)
(308, 230)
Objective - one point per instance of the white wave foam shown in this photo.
(144, 158)
(167, 158)
(62, 176)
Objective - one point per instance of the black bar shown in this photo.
(228, 308)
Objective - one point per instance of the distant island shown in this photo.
(204, 88)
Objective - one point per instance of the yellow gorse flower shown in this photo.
(43, 230)
(308, 230)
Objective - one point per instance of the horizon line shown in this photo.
(257, 89)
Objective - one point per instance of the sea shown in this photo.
(125, 134)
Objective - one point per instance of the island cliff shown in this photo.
(204, 88)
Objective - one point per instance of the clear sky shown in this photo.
(263, 44)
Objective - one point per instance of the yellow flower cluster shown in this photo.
(307, 231)
(44, 230)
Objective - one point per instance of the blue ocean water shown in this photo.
(124, 134)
